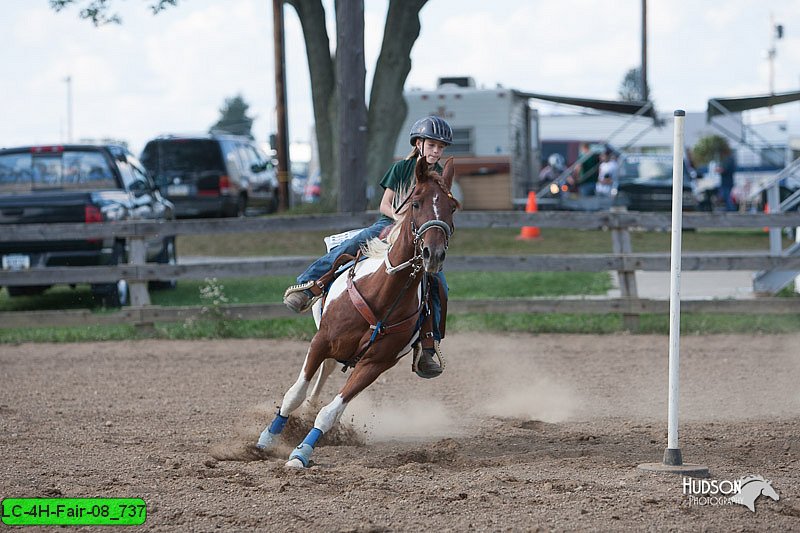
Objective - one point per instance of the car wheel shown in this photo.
(167, 256)
(241, 205)
(113, 294)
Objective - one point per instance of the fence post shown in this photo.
(621, 244)
(138, 256)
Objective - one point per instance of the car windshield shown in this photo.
(646, 168)
(31, 171)
(183, 155)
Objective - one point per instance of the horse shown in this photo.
(371, 314)
(751, 488)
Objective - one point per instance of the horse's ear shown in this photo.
(421, 170)
(449, 170)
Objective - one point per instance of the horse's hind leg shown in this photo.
(291, 401)
(325, 371)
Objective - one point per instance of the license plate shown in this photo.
(178, 190)
(16, 262)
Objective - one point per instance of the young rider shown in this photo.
(429, 137)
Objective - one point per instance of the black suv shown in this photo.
(78, 183)
(211, 175)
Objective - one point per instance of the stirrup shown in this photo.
(418, 353)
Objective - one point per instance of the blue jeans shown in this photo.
(725, 193)
(436, 304)
(322, 265)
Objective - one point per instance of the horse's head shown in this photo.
(431, 210)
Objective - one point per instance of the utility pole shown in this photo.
(68, 81)
(351, 74)
(776, 33)
(645, 89)
(282, 136)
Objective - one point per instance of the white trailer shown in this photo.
(495, 139)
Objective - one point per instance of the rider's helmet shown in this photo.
(556, 161)
(431, 127)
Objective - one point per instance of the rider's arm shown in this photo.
(386, 204)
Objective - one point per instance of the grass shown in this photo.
(302, 328)
(464, 285)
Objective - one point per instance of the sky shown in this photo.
(171, 72)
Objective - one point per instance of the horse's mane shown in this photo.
(377, 247)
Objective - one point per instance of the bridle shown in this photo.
(416, 259)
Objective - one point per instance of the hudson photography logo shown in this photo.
(743, 491)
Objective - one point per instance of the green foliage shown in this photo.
(234, 119)
(631, 90)
(98, 12)
(710, 147)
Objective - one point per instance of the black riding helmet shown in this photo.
(431, 127)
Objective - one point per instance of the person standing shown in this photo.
(587, 171)
(726, 170)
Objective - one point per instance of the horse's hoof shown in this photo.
(294, 463)
(265, 440)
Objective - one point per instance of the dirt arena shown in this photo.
(521, 433)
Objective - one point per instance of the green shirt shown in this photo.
(400, 178)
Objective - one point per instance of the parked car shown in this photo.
(212, 175)
(78, 183)
(644, 183)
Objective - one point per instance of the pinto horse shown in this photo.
(371, 313)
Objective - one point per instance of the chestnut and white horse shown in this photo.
(371, 314)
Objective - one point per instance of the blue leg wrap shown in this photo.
(304, 450)
(268, 435)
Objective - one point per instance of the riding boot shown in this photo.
(299, 298)
(426, 353)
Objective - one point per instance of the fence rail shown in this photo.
(623, 260)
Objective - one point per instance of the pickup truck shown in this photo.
(78, 183)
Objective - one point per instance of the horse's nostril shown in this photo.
(426, 253)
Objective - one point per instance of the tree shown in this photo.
(630, 90)
(387, 108)
(233, 118)
(710, 148)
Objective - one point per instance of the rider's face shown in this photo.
(433, 150)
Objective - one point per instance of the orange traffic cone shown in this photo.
(530, 232)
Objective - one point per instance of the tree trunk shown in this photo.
(350, 74)
(387, 107)
(323, 90)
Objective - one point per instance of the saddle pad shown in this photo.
(332, 241)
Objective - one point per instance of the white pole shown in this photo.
(675, 290)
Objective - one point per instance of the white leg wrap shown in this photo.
(329, 414)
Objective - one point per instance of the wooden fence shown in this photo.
(623, 260)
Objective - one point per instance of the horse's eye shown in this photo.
(415, 205)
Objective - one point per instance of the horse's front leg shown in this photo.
(363, 375)
(291, 401)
